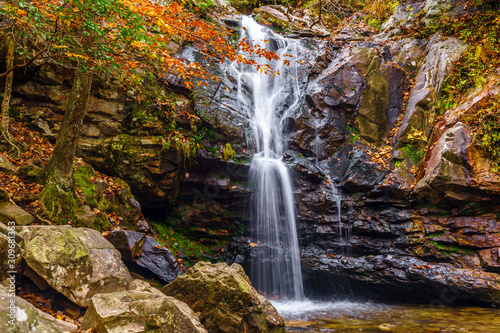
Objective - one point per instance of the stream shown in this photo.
(311, 316)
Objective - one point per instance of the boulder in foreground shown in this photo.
(77, 262)
(140, 310)
(19, 316)
(225, 299)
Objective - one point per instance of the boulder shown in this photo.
(419, 115)
(140, 311)
(226, 300)
(9, 211)
(409, 13)
(446, 171)
(490, 259)
(143, 286)
(6, 165)
(58, 95)
(77, 262)
(403, 15)
(146, 253)
(11, 251)
(19, 316)
(32, 171)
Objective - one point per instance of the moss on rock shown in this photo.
(225, 298)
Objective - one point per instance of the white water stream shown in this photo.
(267, 100)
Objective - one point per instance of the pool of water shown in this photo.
(312, 316)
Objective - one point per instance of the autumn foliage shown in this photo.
(128, 38)
(132, 41)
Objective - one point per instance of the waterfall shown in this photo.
(267, 100)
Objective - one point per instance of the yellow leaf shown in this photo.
(253, 244)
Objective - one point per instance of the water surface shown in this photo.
(312, 316)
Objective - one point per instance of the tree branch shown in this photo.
(13, 68)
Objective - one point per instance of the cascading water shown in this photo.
(267, 100)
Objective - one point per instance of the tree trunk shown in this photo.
(59, 170)
(8, 87)
(4, 124)
(318, 21)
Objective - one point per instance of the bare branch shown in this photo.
(13, 68)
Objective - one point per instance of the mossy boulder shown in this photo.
(225, 299)
(9, 211)
(31, 171)
(140, 311)
(6, 165)
(101, 200)
(77, 262)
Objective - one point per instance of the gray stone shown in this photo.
(409, 54)
(361, 174)
(147, 253)
(138, 311)
(406, 278)
(419, 114)
(338, 86)
(11, 212)
(24, 317)
(447, 167)
(404, 15)
(11, 254)
(6, 165)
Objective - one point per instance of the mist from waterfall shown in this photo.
(267, 100)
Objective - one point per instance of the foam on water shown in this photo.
(306, 310)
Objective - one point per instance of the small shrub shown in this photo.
(415, 149)
(227, 153)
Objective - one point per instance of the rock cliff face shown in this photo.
(418, 228)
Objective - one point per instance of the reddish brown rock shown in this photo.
(490, 259)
